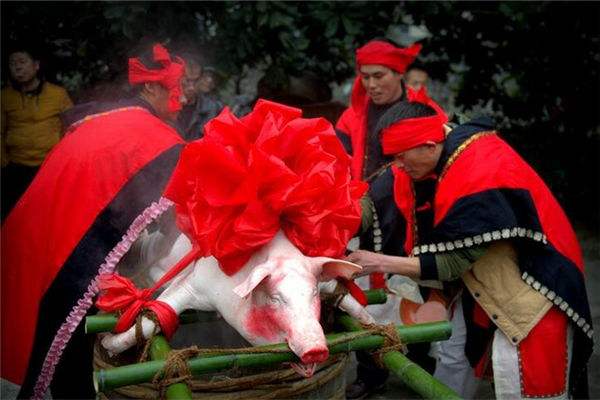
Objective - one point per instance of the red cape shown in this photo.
(78, 180)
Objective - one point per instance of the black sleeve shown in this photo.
(428, 267)
(345, 139)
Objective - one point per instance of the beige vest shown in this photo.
(495, 282)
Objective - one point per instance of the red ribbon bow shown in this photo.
(120, 294)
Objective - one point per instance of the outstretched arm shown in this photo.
(375, 262)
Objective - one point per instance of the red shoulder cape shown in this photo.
(490, 163)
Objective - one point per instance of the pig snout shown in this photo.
(316, 355)
(308, 343)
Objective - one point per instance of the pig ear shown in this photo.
(330, 268)
(258, 274)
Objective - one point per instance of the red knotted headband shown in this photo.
(413, 132)
(380, 53)
(386, 54)
(169, 76)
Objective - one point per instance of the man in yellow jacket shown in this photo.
(30, 123)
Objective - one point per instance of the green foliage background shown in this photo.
(532, 65)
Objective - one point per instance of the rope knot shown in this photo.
(391, 341)
(176, 369)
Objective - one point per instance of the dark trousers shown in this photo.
(368, 371)
(15, 181)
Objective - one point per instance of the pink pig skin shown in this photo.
(273, 298)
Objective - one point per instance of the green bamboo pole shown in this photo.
(144, 372)
(106, 322)
(410, 373)
(376, 296)
(159, 350)
(417, 378)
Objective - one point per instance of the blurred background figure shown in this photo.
(208, 81)
(201, 105)
(30, 121)
(416, 76)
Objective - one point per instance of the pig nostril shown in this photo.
(315, 356)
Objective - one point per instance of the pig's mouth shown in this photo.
(304, 370)
(310, 359)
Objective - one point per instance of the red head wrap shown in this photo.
(413, 132)
(169, 76)
(381, 53)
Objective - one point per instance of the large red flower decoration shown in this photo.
(247, 178)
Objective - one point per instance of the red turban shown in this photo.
(413, 132)
(169, 76)
(381, 53)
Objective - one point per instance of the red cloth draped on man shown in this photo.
(76, 220)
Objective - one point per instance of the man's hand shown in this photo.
(375, 262)
(371, 262)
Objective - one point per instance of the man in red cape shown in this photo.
(95, 192)
(522, 314)
(379, 85)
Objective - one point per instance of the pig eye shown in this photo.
(276, 299)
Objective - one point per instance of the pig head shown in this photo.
(273, 298)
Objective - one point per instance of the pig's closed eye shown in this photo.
(276, 299)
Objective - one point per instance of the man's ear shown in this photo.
(151, 88)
